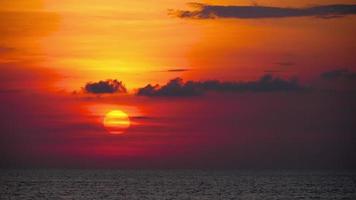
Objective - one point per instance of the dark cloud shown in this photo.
(206, 11)
(142, 117)
(178, 88)
(108, 86)
(339, 74)
(175, 87)
(177, 70)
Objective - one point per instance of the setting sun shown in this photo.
(116, 122)
(172, 99)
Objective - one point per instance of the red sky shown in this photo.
(53, 55)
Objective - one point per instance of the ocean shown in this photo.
(176, 184)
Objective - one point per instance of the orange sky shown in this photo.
(137, 41)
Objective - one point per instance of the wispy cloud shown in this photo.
(338, 74)
(178, 70)
(206, 11)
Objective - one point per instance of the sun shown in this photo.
(116, 122)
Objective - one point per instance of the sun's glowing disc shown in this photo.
(116, 122)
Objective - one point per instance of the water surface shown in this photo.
(176, 184)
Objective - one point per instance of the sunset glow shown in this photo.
(176, 84)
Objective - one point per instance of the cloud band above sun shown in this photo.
(207, 11)
(178, 88)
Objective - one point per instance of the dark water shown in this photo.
(175, 184)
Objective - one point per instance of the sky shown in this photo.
(223, 84)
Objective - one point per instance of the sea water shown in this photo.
(176, 184)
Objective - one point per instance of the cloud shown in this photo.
(206, 11)
(177, 70)
(339, 74)
(108, 87)
(178, 88)
(174, 70)
(175, 87)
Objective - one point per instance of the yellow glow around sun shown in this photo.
(116, 122)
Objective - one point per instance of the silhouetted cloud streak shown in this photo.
(177, 70)
(108, 87)
(206, 11)
(339, 74)
(178, 88)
